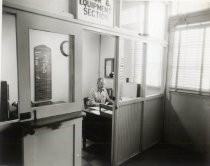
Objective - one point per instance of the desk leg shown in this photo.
(84, 143)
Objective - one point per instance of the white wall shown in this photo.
(187, 120)
(52, 6)
(95, 50)
(152, 122)
(108, 50)
(91, 44)
(9, 55)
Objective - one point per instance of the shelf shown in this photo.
(53, 122)
(9, 122)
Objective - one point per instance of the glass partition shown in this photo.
(154, 69)
(132, 15)
(51, 67)
(9, 77)
(156, 19)
(130, 69)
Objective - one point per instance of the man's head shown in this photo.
(100, 83)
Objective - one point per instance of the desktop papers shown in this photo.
(97, 108)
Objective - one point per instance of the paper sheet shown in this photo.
(94, 108)
(95, 112)
(97, 108)
(108, 112)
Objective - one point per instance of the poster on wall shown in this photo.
(42, 71)
(96, 11)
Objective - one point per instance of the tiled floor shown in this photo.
(96, 155)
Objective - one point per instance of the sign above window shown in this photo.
(96, 11)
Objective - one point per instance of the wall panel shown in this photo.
(187, 120)
(152, 122)
(53, 147)
(128, 131)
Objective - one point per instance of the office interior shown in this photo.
(155, 61)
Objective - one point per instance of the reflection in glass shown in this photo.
(50, 58)
(9, 83)
(154, 69)
(130, 69)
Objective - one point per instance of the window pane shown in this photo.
(157, 13)
(132, 16)
(189, 68)
(9, 83)
(50, 57)
(130, 69)
(154, 69)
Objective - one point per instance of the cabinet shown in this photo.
(54, 141)
(97, 127)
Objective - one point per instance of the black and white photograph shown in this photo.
(105, 83)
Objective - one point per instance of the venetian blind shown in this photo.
(138, 64)
(131, 61)
(189, 65)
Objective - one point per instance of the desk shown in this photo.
(97, 126)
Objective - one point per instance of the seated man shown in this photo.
(99, 95)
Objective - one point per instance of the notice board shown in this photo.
(42, 72)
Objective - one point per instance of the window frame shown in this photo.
(148, 40)
(43, 23)
(143, 78)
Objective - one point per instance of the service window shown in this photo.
(50, 65)
(51, 61)
(154, 69)
(130, 69)
(8, 74)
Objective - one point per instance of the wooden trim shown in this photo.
(9, 122)
(10, 7)
(31, 21)
(190, 18)
(202, 60)
(114, 149)
(140, 99)
(144, 75)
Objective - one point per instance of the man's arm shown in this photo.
(92, 101)
(110, 100)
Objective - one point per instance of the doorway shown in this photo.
(99, 59)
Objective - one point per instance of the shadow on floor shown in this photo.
(96, 155)
(168, 155)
